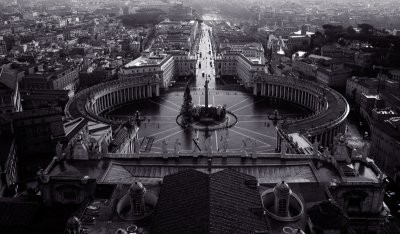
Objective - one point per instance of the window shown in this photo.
(282, 206)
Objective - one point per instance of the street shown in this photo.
(205, 59)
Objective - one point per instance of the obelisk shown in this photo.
(206, 94)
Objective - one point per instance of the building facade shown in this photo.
(162, 66)
(237, 65)
(385, 142)
(65, 77)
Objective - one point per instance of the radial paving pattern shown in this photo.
(252, 113)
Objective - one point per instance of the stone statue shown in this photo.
(135, 146)
(366, 150)
(59, 150)
(254, 148)
(177, 147)
(315, 147)
(279, 125)
(327, 153)
(243, 151)
(164, 149)
(339, 149)
(354, 153)
(283, 148)
(104, 147)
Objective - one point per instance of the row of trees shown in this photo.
(385, 48)
(376, 37)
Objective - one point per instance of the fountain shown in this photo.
(275, 116)
(201, 117)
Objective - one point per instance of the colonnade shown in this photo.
(297, 95)
(326, 138)
(328, 119)
(109, 98)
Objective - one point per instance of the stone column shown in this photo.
(112, 99)
(150, 91)
(157, 90)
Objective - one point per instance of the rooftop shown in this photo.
(193, 202)
(145, 61)
(314, 56)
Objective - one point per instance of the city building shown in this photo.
(37, 99)
(93, 76)
(298, 42)
(3, 46)
(176, 35)
(166, 67)
(250, 50)
(342, 54)
(185, 65)
(36, 133)
(385, 141)
(64, 77)
(232, 63)
(161, 65)
(331, 72)
(356, 86)
(8, 164)
(305, 68)
(9, 92)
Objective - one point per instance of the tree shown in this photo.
(342, 42)
(366, 29)
(350, 30)
(187, 106)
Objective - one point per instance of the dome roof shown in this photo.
(73, 223)
(137, 188)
